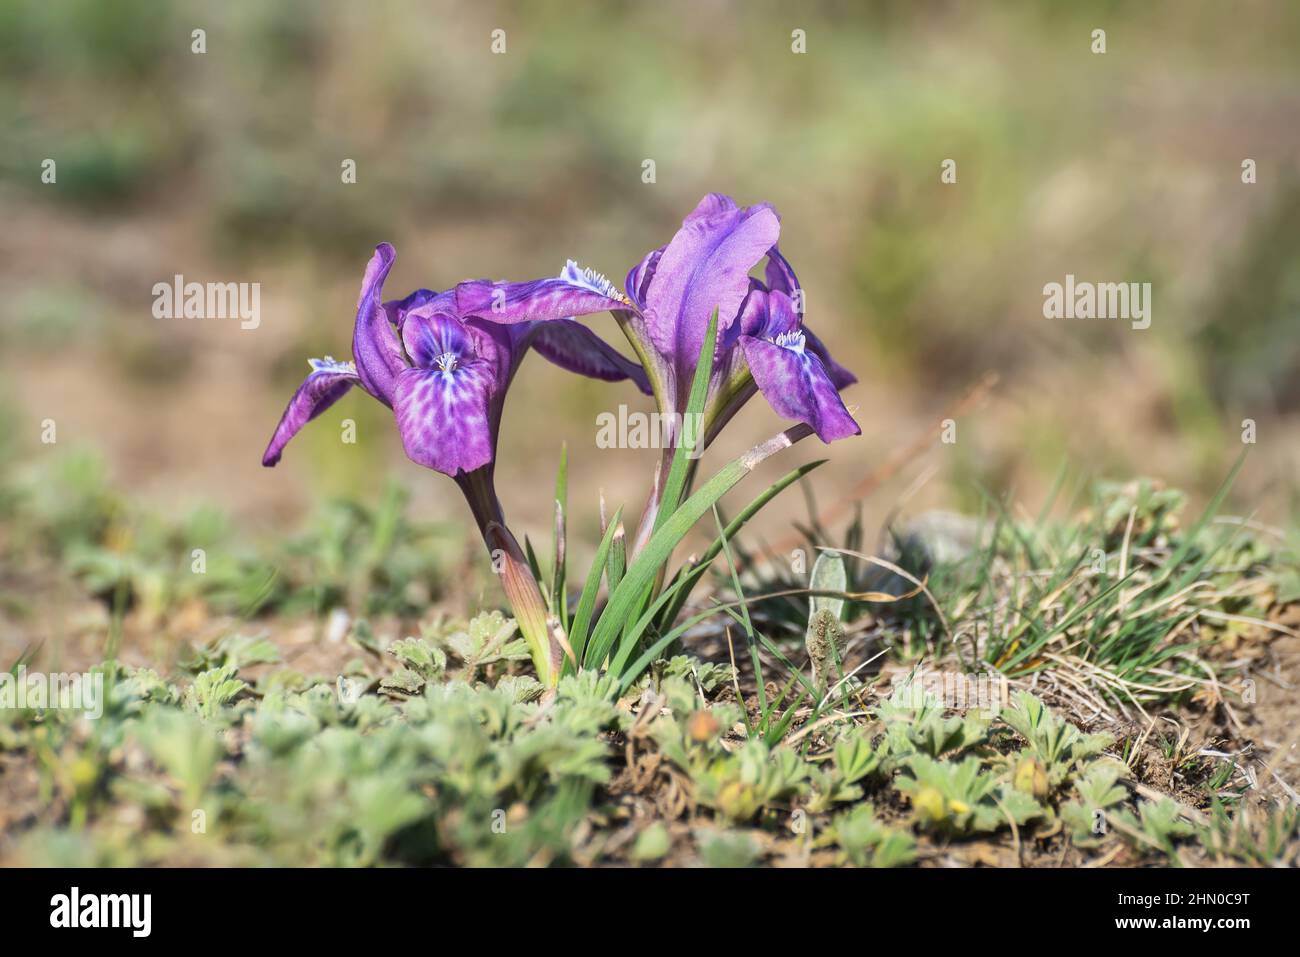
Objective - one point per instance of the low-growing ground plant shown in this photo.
(203, 769)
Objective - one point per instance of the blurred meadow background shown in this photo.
(225, 167)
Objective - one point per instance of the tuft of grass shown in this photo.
(1118, 605)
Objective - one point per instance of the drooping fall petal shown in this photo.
(840, 376)
(791, 375)
(326, 384)
(781, 278)
(444, 415)
(572, 346)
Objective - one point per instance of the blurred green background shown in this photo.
(225, 166)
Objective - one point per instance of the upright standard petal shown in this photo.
(572, 346)
(437, 341)
(326, 384)
(444, 416)
(780, 274)
(575, 292)
(420, 302)
(638, 278)
(375, 348)
(705, 267)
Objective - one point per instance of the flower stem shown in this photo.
(509, 562)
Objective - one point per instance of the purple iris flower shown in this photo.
(444, 370)
(444, 366)
(762, 341)
(762, 344)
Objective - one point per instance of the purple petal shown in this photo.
(781, 316)
(751, 319)
(445, 417)
(779, 273)
(639, 278)
(326, 384)
(841, 377)
(781, 278)
(502, 347)
(375, 348)
(706, 266)
(572, 346)
(713, 204)
(575, 292)
(796, 385)
(430, 339)
(420, 302)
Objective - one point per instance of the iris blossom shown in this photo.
(443, 361)
(445, 371)
(762, 345)
(762, 342)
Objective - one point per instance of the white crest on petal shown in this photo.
(792, 340)
(590, 279)
(330, 364)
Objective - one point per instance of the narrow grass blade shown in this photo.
(745, 621)
(559, 600)
(616, 567)
(689, 436)
(697, 569)
(587, 602)
(641, 575)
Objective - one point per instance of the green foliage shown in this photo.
(916, 723)
(212, 690)
(1157, 827)
(1227, 837)
(853, 760)
(865, 842)
(441, 747)
(1097, 793)
(370, 559)
(1059, 745)
(962, 797)
(824, 639)
(1026, 595)
(727, 849)
(740, 784)
(234, 650)
(422, 663)
(464, 771)
(652, 844)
